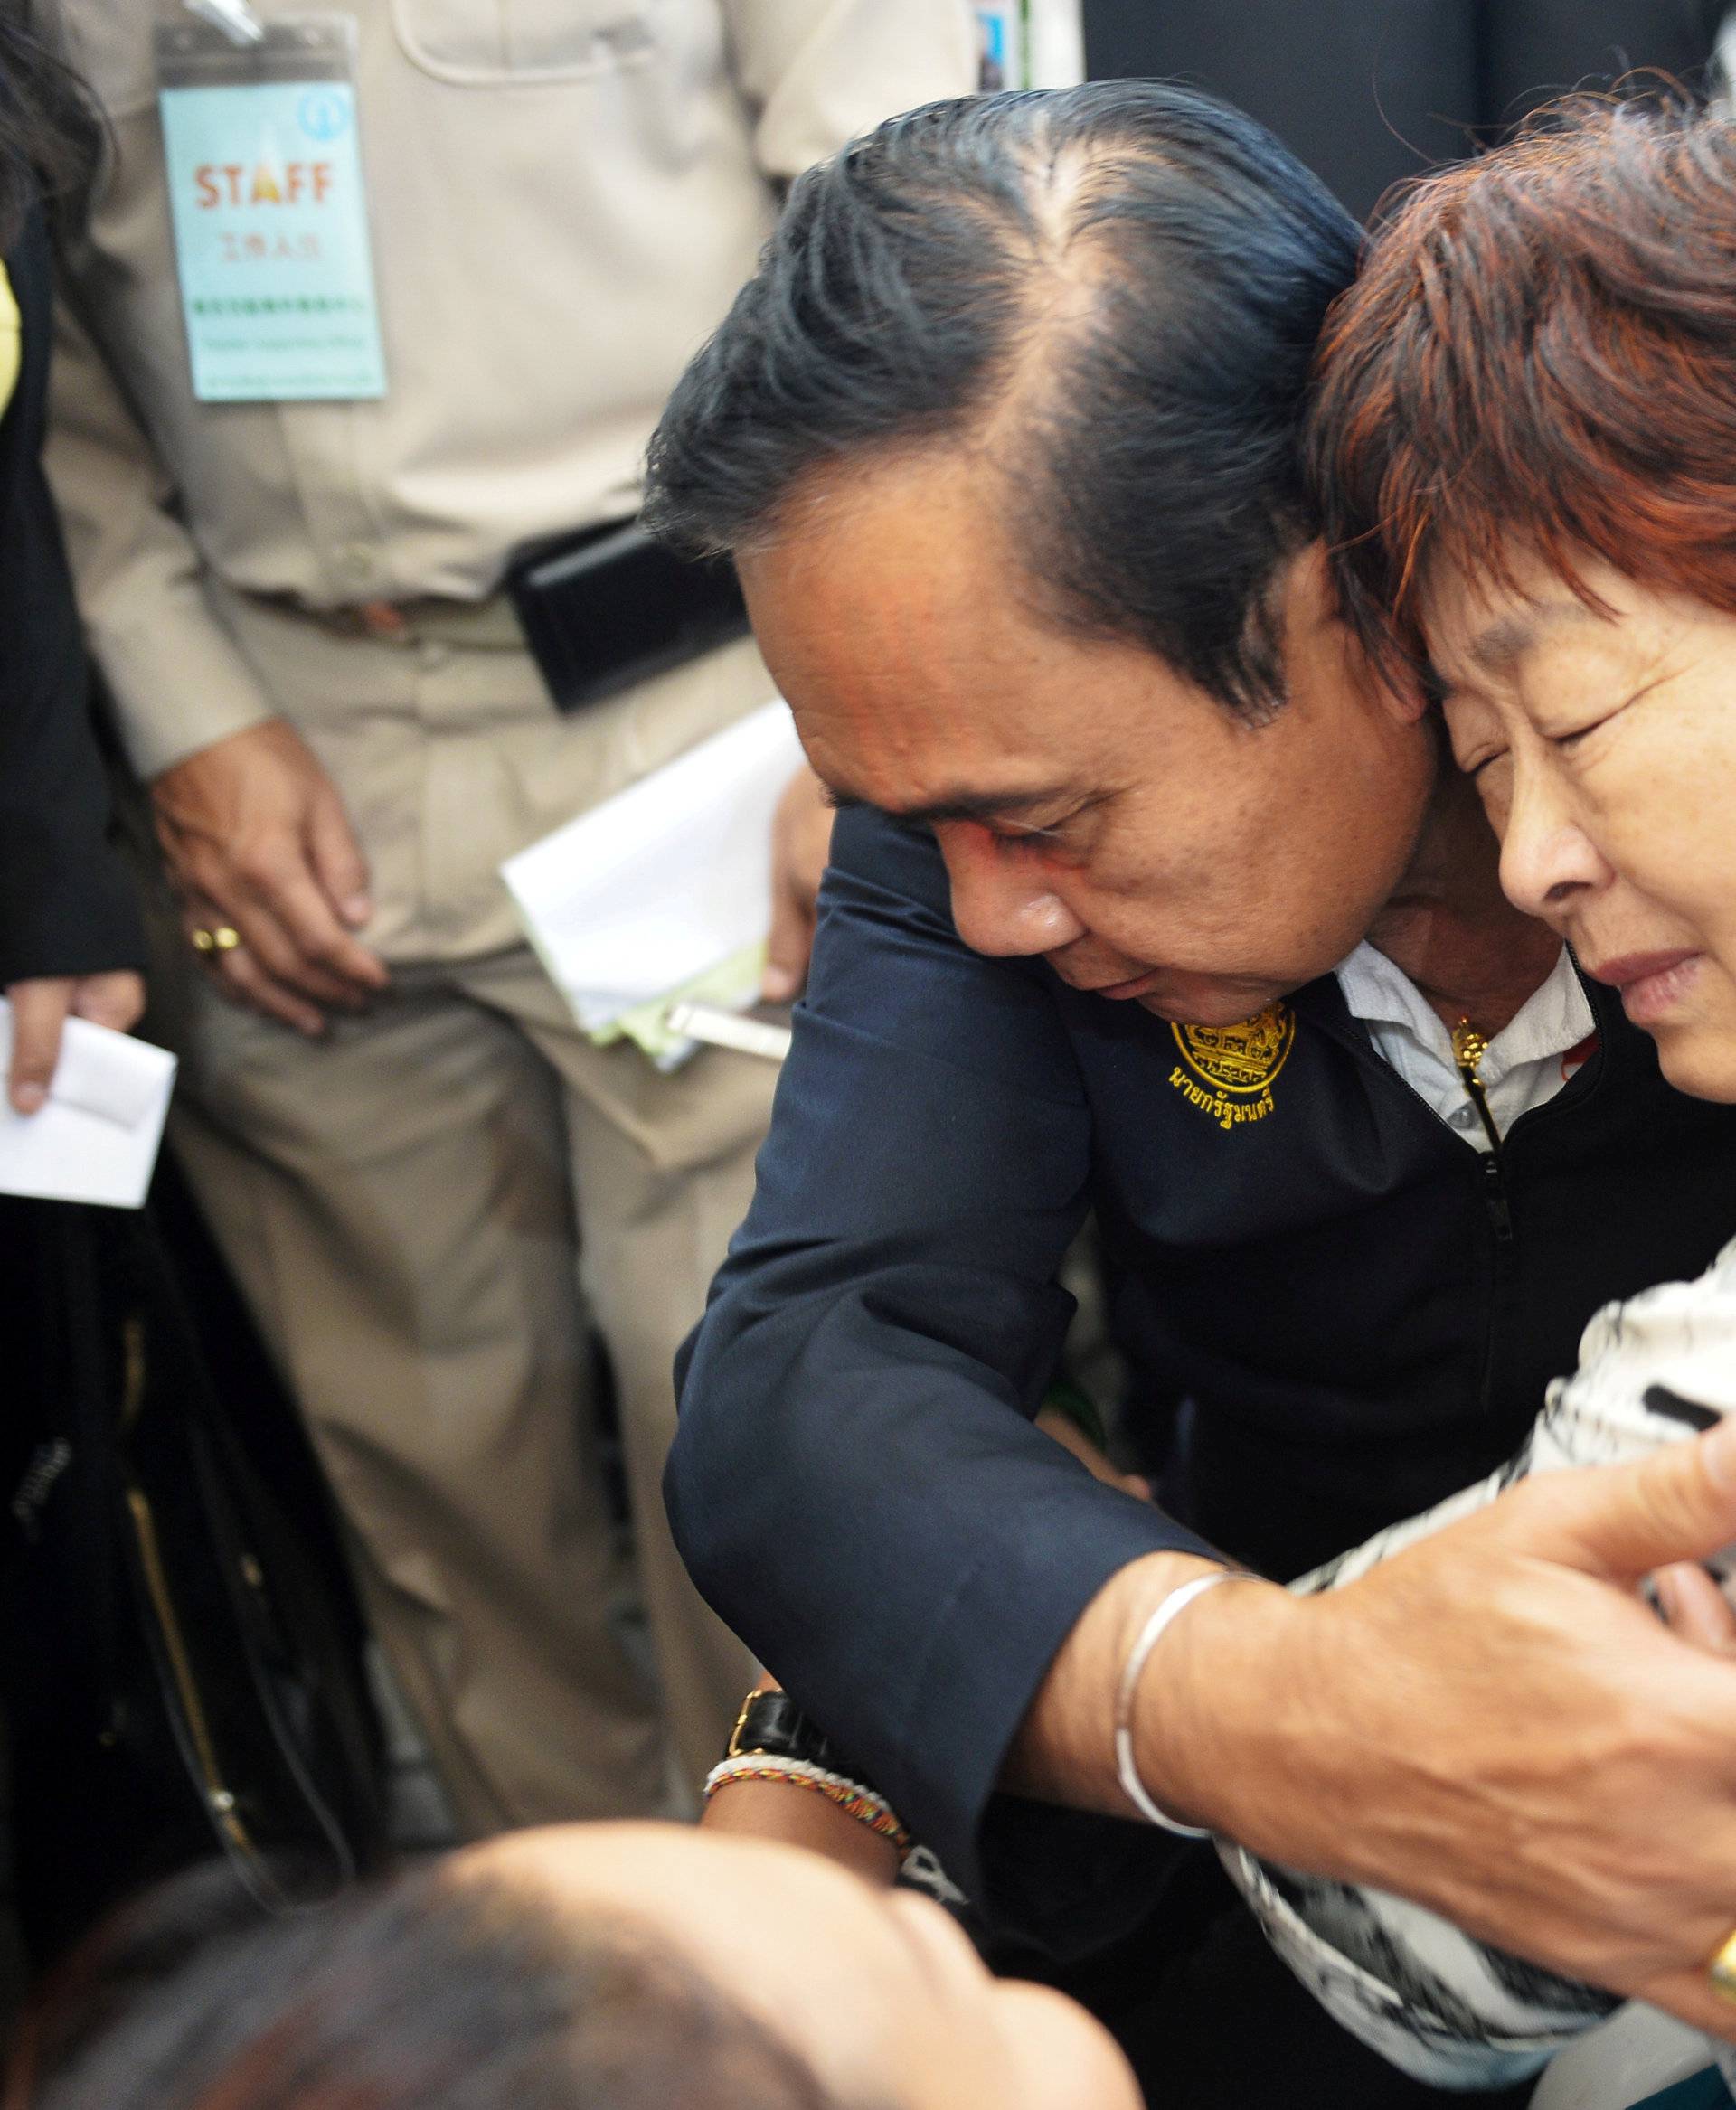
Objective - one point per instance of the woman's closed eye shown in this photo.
(1565, 740)
(1572, 730)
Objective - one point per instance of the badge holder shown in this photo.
(269, 205)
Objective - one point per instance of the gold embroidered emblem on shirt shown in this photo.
(1233, 1067)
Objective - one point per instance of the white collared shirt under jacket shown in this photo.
(1525, 1064)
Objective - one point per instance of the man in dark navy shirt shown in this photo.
(1161, 902)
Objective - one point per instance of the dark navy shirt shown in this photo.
(1359, 1310)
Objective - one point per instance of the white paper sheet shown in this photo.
(670, 877)
(96, 1138)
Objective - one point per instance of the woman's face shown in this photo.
(878, 1991)
(1604, 746)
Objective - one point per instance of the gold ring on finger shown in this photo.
(203, 940)
(225, 938)
(1721, 1970)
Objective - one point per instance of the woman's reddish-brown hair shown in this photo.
(1539, 357)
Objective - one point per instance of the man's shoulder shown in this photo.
(894, 868)
(888, 965)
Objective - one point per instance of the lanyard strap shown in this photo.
(235, 18)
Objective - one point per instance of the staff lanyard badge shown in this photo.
(268, 205)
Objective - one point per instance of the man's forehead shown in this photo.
(950, 750)
(942, 742)
(889, 588)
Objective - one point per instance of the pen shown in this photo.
(728, 1029)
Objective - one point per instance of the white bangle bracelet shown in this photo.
(1150, 1633)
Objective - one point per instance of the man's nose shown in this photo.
(1546, 857)
(1002, 902)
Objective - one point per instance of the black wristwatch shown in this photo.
(772, 1725)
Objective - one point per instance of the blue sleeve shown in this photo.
(855, 1483)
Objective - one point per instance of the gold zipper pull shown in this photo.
(1470, 1048)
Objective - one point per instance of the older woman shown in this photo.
(1525, 440)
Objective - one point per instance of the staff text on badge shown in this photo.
(269, 211)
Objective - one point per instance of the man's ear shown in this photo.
(1315, 606)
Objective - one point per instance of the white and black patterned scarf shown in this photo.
(1447, 2009)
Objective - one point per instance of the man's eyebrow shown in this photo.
(959, 805)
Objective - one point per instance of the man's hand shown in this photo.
(256, 838)
(801, 841)
(1492, 1723)
(41, 1007)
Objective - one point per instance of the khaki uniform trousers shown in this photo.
(426, 1208)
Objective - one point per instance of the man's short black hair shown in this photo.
(1113, 291)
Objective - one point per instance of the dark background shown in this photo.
(1369, 91)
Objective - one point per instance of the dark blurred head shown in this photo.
(578, 1967)
(49, 131)
(428, 1993)
(1004, 436)
(1525, 445)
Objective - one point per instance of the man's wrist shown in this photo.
(1209, 1713)
(1065, 1749)
(1170, 1608)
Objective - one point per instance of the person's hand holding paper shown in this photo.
(41, 1006)
(665, 890)
(95, 1137)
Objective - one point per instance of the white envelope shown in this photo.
(96, 1138)
(669, 879)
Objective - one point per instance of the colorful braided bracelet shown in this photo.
(848, 1796)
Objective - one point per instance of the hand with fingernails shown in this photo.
(41, 1007)
(272, 883)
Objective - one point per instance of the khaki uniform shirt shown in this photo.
(564, 196)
